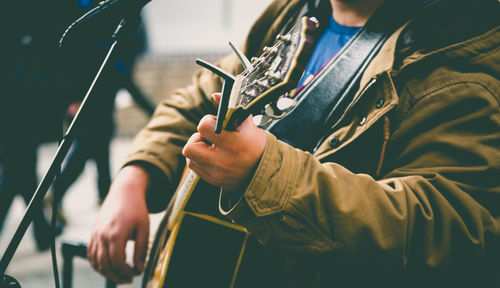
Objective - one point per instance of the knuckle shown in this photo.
(205, 123)
(186, 151)
(193, 137)
(114, 236)
(103, 237)
(202, 126)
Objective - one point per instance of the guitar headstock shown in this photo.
(265, 83)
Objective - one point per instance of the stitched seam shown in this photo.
(484, 55)
(252, 199)
(457, 46)
(450, 84)
(384, 145)
(290, 182)
(257, 180)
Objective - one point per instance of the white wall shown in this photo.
(199, 26)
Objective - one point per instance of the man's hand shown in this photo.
(123, 216)
(228, 159)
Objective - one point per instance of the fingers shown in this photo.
(199, 170)
(123, 216)
(140, 248)
(108, 258)
(99, 259)
(197, 145)
(195, 138)
(118, 267)
(216, 97)
(103, 264)
(91, 255)
(206, 128)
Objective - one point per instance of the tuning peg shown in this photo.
(262, 84)
(285, 38)
(269, 111)
(285, 104)
(244, 60)
(273, 77)
(262, 120)
(271, 50)
(249, 94)
(269, 114)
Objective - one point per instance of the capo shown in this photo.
(244, 60)
(227, 86)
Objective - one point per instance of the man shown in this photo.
(404, 188)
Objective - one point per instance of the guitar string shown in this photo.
(266, 56)
(275, 45)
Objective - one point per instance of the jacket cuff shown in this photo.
(268, 190)
(143, 157)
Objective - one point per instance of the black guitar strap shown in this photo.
(324, 99)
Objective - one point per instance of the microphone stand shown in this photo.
(7, 281)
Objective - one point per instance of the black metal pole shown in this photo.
(59, 157)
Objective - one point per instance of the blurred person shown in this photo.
(31, 104)
(403, 192)
(93, 140)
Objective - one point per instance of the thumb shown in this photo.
(141, 245)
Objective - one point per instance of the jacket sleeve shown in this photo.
(439, 200)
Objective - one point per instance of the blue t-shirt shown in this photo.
(334, 37)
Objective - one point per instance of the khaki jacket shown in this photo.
(407, 182)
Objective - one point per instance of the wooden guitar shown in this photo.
(194, 245)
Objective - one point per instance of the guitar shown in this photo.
(194, 245)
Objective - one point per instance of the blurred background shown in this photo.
(157, 59)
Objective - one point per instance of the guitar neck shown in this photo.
(181, 196)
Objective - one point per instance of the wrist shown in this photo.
(133, 181)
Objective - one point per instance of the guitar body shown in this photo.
(201, 249)
(194, 245)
